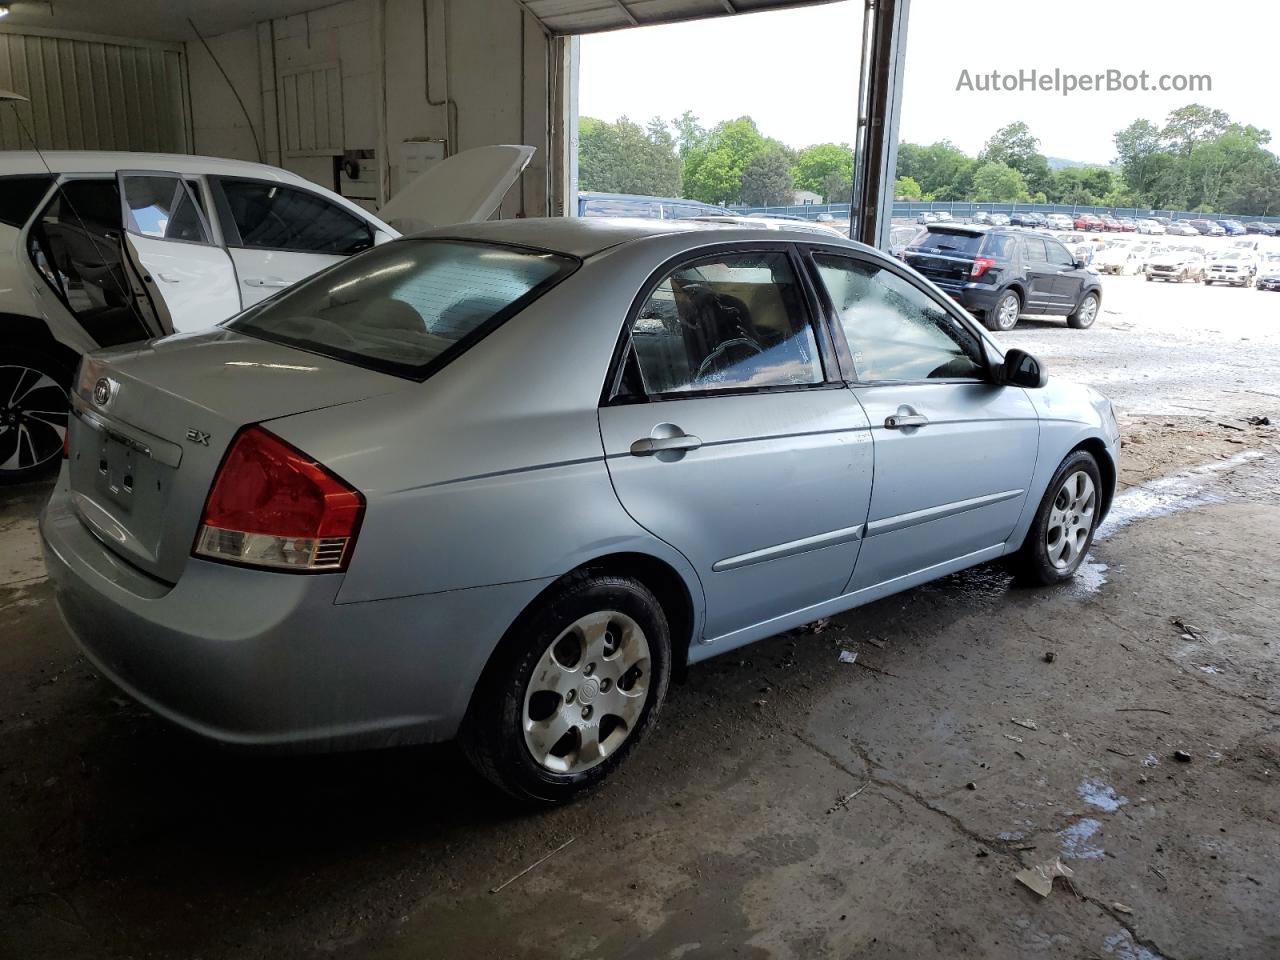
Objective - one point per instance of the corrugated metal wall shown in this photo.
(93, 95)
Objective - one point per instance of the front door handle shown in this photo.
(898, 421)
(169, 278)
(648, 446)
(265, 282)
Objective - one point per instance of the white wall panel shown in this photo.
(93, 94)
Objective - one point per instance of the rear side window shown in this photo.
(999, 246)
(731, 322)
(19, 196)
(950, 241)
(408, 307)
(274, 217)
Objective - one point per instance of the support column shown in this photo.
(884, 53)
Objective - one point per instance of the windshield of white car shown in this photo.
(407, 308)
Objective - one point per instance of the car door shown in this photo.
(728, 433)
(178, 273)
(278, 234)
(1041, 277)
(954, 453)
(1068, 284)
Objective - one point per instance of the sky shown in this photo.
(795, 71)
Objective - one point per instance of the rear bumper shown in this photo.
(255, 658)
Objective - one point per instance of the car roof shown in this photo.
(13, 162)
(587, 236)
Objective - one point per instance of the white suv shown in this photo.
(102, 249)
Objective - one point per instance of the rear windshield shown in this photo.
(949, 241)
(407, 307)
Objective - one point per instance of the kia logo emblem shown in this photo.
(102, 392)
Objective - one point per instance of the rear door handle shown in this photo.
(898, 421)
(648, 446)
(265, 282)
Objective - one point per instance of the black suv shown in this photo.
(998, 274)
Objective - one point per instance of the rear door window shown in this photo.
(1033, 249)
(271, 216)
(407, 307)
(734, 321)
(163, 207)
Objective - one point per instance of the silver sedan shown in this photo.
(500, 481)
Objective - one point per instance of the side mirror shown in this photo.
(1080, 264)
(1021, 369)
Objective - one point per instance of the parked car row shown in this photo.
(1103, 223)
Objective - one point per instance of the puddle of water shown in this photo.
(1077, 840)
(1210, 668)
(1166, 495)
(1122, 946)
(1100, 794)
(1155, 498)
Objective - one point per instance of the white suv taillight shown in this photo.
(273, 506)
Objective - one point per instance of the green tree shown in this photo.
(818, 162)
(999, 182)
(689, 132)
(1015, 146)
(712, 170)
(622, 157)
(1140, 153)
(767, 181)
(905, 188)
(942, 169)
(1191, 125)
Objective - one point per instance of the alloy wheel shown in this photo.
(587, 692)
(1088, 310)
(33, 417)
(1071, 520)
(1007, 315)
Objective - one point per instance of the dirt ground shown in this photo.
(788, 805)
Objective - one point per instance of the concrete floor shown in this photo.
(788, 805)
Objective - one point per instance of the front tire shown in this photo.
(1064, 525)
(571, 691)
(34, 407)
(1085, 313)
(1004, 315)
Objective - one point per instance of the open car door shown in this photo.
(464, 188)
(182, 280)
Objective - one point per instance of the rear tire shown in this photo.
(34, 407)
(1064, 524)
(1004, 315)
(592, 659)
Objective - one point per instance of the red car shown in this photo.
(1087, 221)
(1128, 225)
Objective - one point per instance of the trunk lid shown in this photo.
(465, 188)
(153, 422)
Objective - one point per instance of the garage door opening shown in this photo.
(723, 123)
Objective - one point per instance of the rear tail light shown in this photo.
(273, 506)
(980, 266)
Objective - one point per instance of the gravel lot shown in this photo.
(789, 805)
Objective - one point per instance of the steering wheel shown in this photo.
(743, 347)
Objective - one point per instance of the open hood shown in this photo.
(464, 188)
